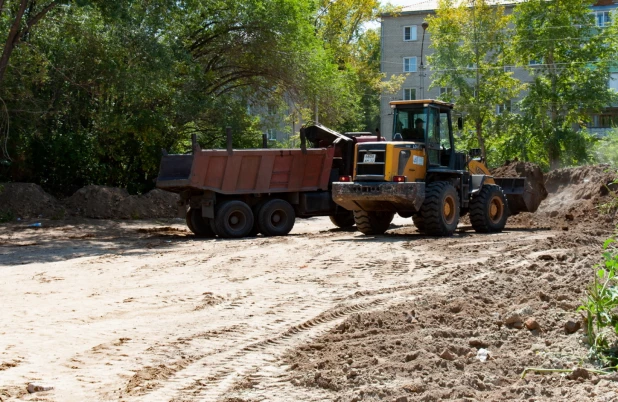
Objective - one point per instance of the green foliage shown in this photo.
(471, 47)
(97, 88)
(600, 307)
(570, 80)
(606, 149)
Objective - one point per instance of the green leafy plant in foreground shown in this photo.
(601, 308)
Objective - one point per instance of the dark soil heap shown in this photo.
(26, 200)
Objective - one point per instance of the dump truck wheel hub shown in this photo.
(276, 218)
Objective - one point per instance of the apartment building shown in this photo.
(403, 44)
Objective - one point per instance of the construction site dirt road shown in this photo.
(145, 311)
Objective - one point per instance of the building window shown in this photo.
(535, 62)
(446, 91)
(505, 107)
(409, 33)
(602, 18)
(409, 64)
(271, 134)
(409, 94)
(508, 69)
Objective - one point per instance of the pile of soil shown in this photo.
(27, 200)
(102, 202)
(576, 196)
(432, 347)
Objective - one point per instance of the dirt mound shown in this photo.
(473, 342)
(584, 182)
(535, 190)
(577, 193)
(28, 200)
(102, 202)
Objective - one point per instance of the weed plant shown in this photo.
(601, 304)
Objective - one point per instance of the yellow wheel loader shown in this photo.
(420, 175)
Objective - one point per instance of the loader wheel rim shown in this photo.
(496, 209)
(448, 210)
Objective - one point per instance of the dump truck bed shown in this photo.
(249, 171)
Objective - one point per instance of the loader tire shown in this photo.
(276, 218)
(489, 209)
(198, 224)
(233, 219)
(419, 222)
(373, 222)
(345, 220)
(440, 209)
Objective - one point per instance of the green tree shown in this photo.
(569, 59)
(471, 50)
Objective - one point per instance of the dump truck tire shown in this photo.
(276, 218)
(233, 219)
(419, 222)
(440, 209)
(489, 210)
(343, 220)
(373, 222)
(255, 230)
(198, 224)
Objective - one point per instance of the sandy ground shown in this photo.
(144, 311)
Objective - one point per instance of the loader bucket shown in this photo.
(520, 195)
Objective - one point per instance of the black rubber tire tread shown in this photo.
(432, 210)
(419, 222)
(285, 211)
(198, 224)
(373, 222)
(480, 210)
(222, 216)
(188, 216)
(345, 220)
(255, 230)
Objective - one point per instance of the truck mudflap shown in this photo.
(379, 196)
(520, 196)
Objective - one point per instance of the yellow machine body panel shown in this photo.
(478, 167)
(407, 159)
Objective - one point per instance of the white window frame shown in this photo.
(602, 18)
(410, 91)
(412, 67)
(446, 90)
(505, 107)
(271, 134)
(413, 30)
(535, 62)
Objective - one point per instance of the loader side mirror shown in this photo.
(460, 123)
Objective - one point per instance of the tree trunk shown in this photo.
(12, 39)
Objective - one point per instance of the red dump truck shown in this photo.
(237, 193)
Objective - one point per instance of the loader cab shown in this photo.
(429, 122)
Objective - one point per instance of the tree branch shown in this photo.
(38, 17)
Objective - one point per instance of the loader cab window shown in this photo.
(411, 124)
(439, 146)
